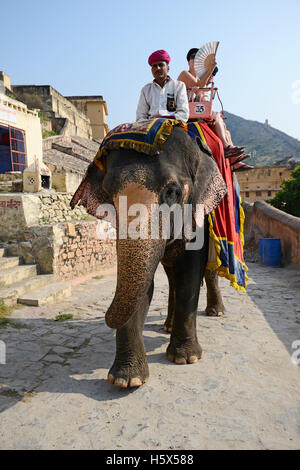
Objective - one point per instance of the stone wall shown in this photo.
(55, 208)
(18, 211)
(43, 229)
(81, 251)
(11, 182)
(66, 250)
(95, 108)
(265, 221)
(64, 180)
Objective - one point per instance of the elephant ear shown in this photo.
(90, 193)
(209, 185)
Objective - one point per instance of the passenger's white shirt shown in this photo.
(157, 101)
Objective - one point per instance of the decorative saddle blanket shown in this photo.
(147, 137)
(226, 222)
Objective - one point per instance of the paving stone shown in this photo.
(242, 394)
(53, 358)
(62, 350)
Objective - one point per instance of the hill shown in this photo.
(271, 145)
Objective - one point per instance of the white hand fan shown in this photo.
(203, 58)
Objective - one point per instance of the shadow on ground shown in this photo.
(65, 357)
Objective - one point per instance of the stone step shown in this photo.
(6, 187)
(9, 262)
(10, 295)
(11, 186)
(13, 275)
(55, 292)
(2, 252)
(12, 249)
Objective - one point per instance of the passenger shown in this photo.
(163, 97)
(189, 77)
(235, 154)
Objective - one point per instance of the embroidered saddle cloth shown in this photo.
(147, 137)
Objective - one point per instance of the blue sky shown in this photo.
(97, 47)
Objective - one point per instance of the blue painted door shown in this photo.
(5, 156)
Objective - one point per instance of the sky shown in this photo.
(96, 47)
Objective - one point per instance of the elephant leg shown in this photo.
(215, 306)
(187, 275)
(130, 368)
(171, 303)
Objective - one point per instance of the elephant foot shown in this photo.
(123, 375)
(187, 352)
(214, 302)
(215, 309)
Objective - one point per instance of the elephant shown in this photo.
(184, 172)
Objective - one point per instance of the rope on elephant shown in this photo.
(226, 222)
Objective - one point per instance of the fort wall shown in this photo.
(265, 221)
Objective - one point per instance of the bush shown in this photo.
(46, 134)
(288, 198)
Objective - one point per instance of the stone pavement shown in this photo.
(242, 394)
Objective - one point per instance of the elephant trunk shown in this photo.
(137, 263)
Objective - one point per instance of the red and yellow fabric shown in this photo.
(226, 222)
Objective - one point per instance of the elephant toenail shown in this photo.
(180, 360)
(192, 359)
(136, 382)
(122, 383)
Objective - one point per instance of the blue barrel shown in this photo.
(270, 251)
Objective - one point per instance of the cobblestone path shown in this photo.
(242, 394)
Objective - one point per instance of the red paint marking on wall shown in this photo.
(12, 204)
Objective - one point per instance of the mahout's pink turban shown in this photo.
(159, 55)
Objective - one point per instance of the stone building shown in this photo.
(81, 116)
(42, 240)
(262, 183)
(68, 158)
(20, 131)
(65, 118)
(30, 113)
(95, 108)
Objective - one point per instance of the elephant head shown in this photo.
(183, 173)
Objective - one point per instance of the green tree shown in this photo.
(288, 198)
